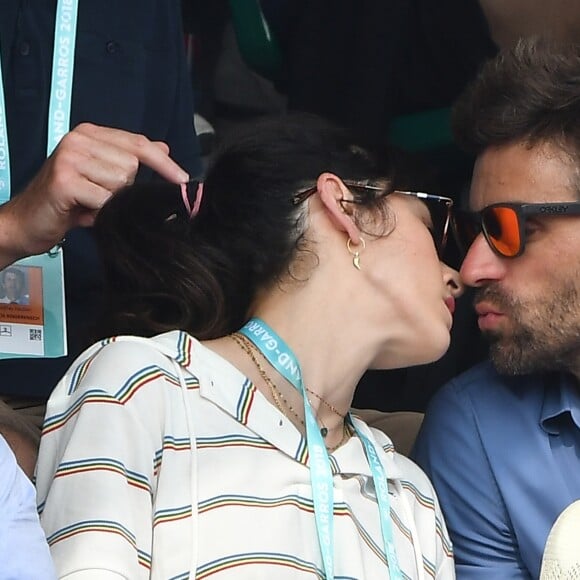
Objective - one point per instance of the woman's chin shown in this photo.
(435, 352)
(417, 354)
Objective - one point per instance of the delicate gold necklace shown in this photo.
(248, 347)
(245, 345)
(346, 433)
(324, 402)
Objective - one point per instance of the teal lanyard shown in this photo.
(279, 355)
(59, 107)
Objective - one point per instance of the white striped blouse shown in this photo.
(160, 460)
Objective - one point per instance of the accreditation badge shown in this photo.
(32, 309)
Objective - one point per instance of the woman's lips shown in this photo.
(450, 303)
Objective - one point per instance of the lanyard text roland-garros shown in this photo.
(60, 90)
(279, 355)
(59, 109)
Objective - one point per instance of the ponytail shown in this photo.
(167, 271)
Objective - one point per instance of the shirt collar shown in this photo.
(561, 401)
(225, 386)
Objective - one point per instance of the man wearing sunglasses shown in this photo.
(501, 442)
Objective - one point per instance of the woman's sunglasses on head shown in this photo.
(504, 224)
(439, 207)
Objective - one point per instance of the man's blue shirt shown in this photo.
(24, 552)
(503, 454)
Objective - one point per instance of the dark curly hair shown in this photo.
(530, 94)
(165, 271)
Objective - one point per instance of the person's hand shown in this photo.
(89, 165)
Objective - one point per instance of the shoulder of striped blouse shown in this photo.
(113, 364)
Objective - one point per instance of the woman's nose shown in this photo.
(452, 280)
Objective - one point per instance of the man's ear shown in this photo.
(335, 198)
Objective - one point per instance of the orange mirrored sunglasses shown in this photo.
(504, 224)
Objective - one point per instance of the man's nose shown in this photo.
(481, 264)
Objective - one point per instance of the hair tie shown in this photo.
(192, 211)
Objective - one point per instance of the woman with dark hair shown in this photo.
(214, 439)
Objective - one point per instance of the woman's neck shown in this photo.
(331, 354)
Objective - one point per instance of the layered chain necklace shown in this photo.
(282, 403)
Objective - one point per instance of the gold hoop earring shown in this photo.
(354, 252)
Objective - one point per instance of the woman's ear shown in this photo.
(336, 198)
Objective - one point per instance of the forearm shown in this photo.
(12, 242)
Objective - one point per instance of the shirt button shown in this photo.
(24, 48)
(112, 47)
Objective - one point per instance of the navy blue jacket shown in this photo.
(130, 73)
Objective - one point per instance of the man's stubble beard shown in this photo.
(544, 335)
